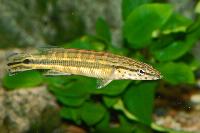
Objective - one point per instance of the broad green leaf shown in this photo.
(102, 30)
(75, 87)
(68, 101)
(194, 64)
(22, 80)
(110, 101)
(105, 122)
(71, 114)
(177, 73)
(176, 23)
(172, 51)
(129, 5)
(142, 21)
(194, 31)
(114, 88)
(92, 113)
(139, 101)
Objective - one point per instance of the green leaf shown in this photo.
(102, 30)
(194, 31)
(92, 113)
(74, 87)
(172, 51)
(105, 122)
(110, 101)
(71, 114)
(145, 19)
(71, 90)
(139, 101)
(129, 5)
(176, 23)
(68, 101)
(114, 88)
(194, 64)
(177, 73)
(22, 80)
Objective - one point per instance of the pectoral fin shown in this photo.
(54, 73)
(102, 83)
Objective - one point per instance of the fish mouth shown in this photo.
(158, 76)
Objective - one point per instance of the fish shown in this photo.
(104, 66)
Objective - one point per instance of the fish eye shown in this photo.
(26, 61)
(141, 72)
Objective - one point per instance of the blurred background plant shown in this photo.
(163, 34)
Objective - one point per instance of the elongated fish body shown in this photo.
(100, 65)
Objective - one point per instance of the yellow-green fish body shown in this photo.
(100, 65)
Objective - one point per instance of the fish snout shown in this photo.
(158, 75)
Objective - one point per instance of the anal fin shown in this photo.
(102, 83)
(54, 73)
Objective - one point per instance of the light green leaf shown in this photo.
(142, 21)
(92, 113)
(194, 31)
(71, 114)
(172, 51)
(102, 30)
(194, 64)
(139, 101)
(68, 101)
(197, 8)
(129, 5)
(105, 122)
(22, 80)
(176, 23)
(110, 101)
(177, 73)
(74, 87)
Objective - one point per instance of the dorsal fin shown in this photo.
(49, 49)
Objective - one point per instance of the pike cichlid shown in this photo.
(101, 65)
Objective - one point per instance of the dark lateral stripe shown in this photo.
(13, 63)
(71, 63)
(123, 67)
(133, 70)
